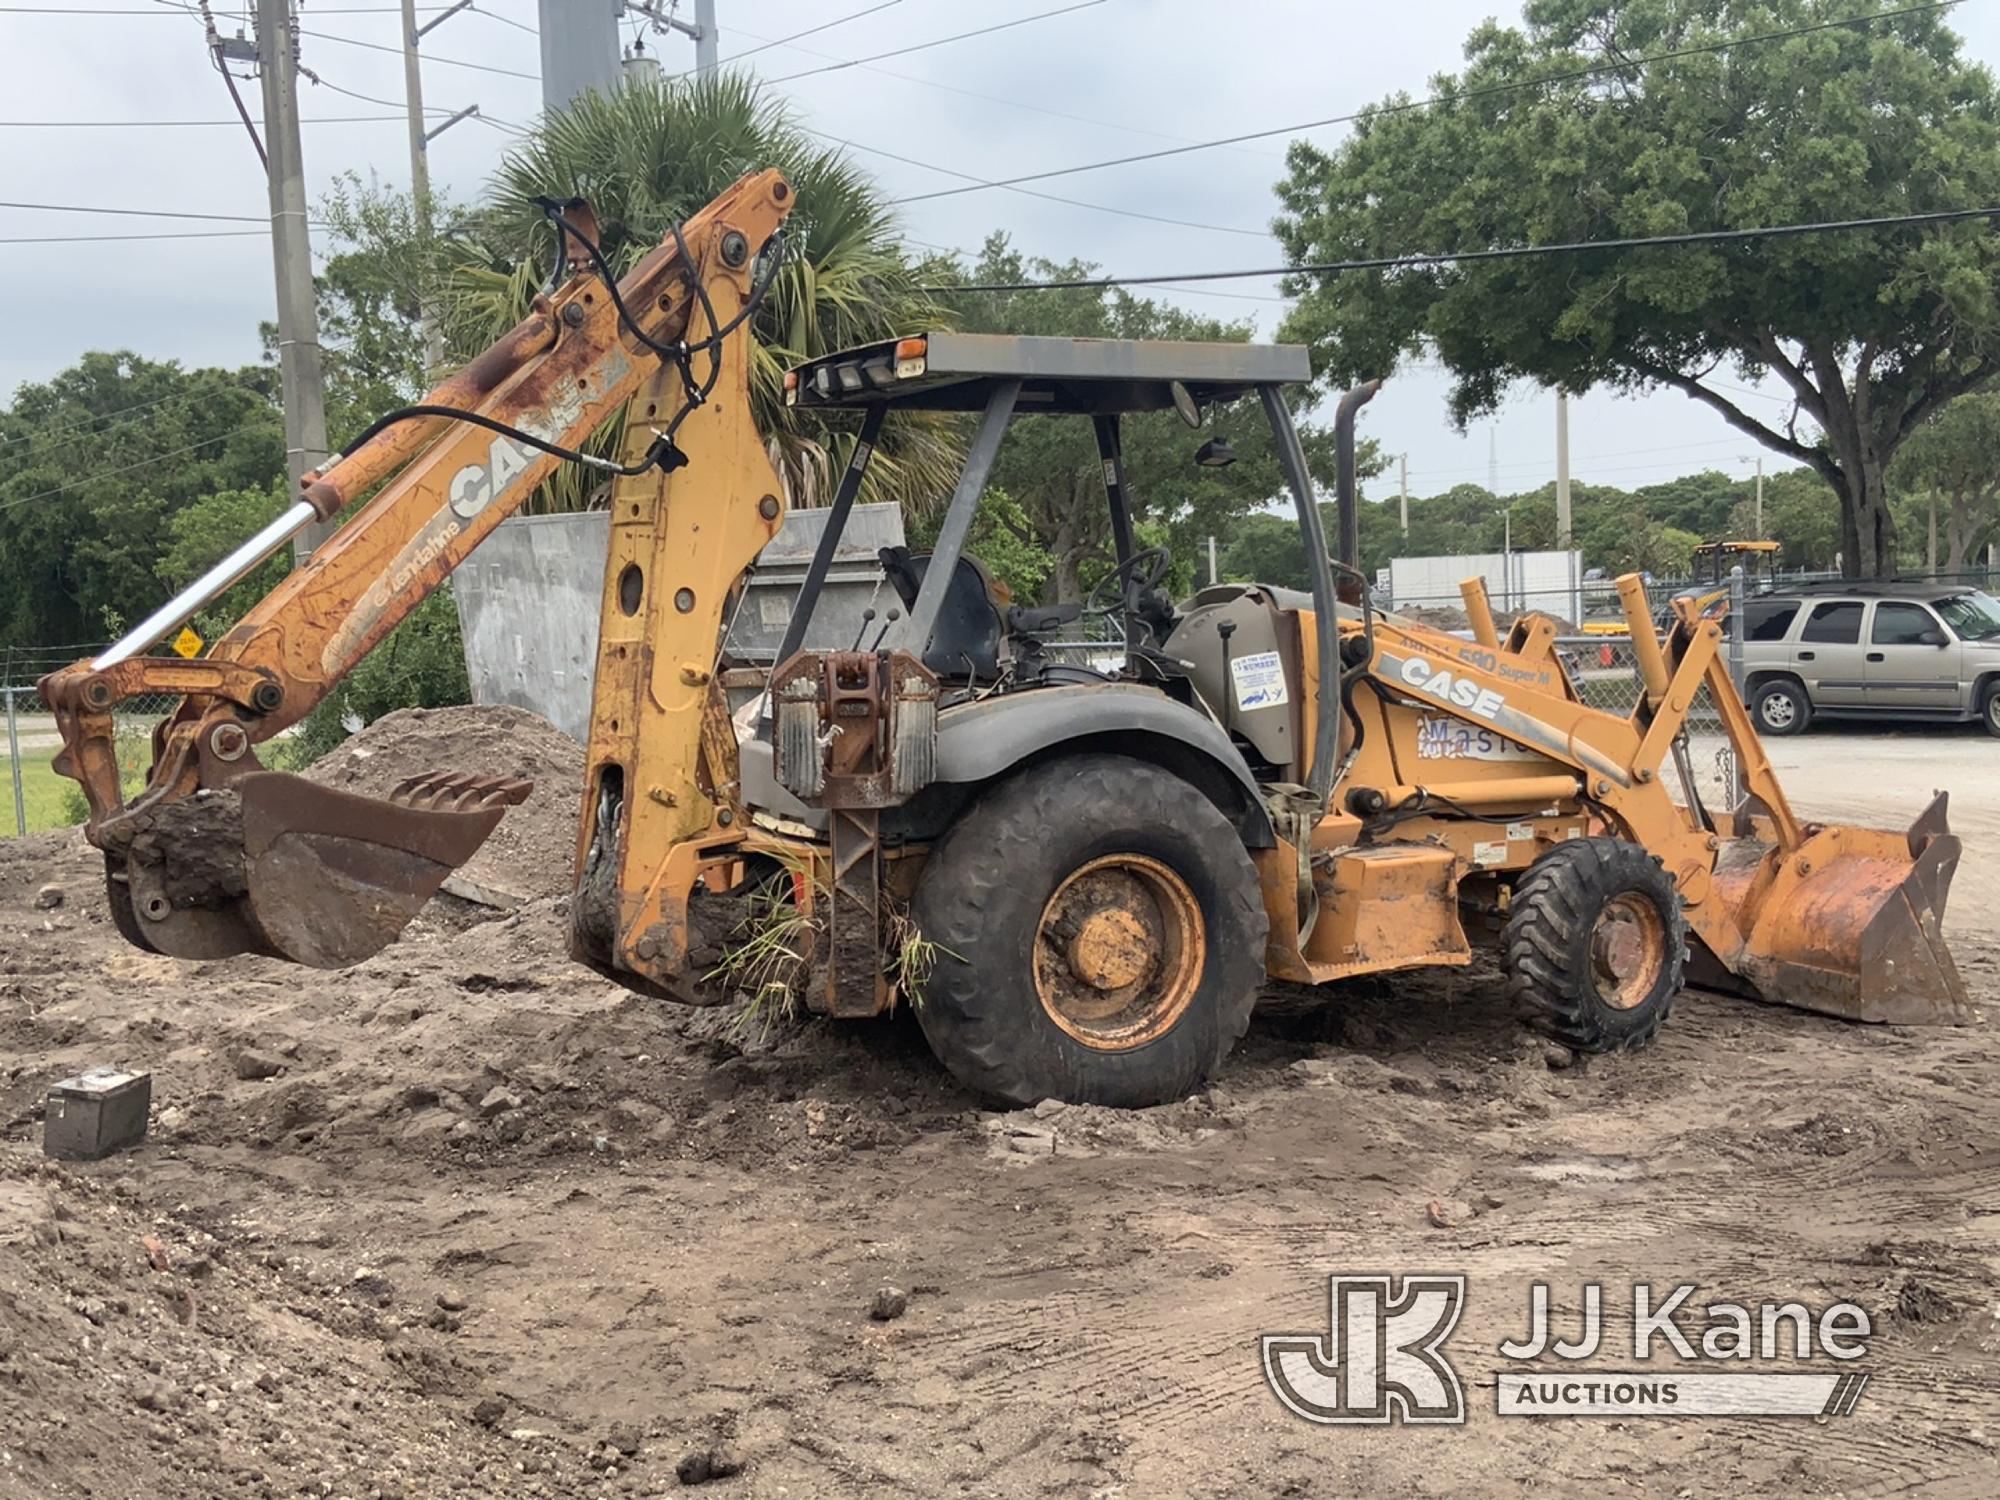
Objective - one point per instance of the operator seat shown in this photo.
(966, 641)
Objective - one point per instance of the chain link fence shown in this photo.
(33, 797)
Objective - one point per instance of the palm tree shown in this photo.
(650, 155)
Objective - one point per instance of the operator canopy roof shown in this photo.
(961, 371)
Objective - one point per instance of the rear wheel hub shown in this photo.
(1119, 952)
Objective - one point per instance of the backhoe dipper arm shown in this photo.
(217, 855)
(560, 374)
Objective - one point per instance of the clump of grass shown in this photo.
(768, 954)
(915, 957)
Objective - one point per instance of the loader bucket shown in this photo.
(1850, 923)
(282, 866)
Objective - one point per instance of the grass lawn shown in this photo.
(42, 791)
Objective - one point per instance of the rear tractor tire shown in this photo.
(1099, 937)
(1596, 945)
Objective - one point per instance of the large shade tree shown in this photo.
(1602, 119)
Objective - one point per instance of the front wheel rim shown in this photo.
(1628, 951)
(1778, 711)
(1119, 951)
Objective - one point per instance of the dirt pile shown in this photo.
(531, 853)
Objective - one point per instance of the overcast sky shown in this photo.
(1104, 79)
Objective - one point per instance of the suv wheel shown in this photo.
(1989, 707)
(1781, 707)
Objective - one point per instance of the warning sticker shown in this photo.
(1518, 832)
(1495, 853)
(1260, 681)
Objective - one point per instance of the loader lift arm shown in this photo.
(216, 855)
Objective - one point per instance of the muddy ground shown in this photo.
(470, 1221)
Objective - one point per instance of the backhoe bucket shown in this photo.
(1850, 922)
(278, 865)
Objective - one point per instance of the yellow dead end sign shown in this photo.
(187, 643)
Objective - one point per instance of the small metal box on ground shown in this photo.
(96, 1113)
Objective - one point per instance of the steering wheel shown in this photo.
(1145, 570)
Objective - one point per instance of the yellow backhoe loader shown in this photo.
(1079, 863)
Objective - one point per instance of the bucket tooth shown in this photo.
(456, 791)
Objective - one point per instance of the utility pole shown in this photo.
(420, 151)
(1214, 568)
(705, 39)
(1404, 482)
(579, 50)
(702, 28)
(302, 382)
(1760, 497)
(1564, 530)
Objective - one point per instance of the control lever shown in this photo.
(882, 634)
(867, 618)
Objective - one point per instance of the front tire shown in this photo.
(1989, 708)
(1782, 707)
(1100, 937)
(1596, 945)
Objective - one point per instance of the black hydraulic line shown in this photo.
(836, 523)
(661, 455)
(1319, 571)
(1111, 452)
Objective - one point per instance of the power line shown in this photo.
(82, 422)
(92, 239)
(432, 57)
(137, 213)
(1584, 458)
(1509, 252)
(429, 109)
(178, 124)
(1376, 111)
(932, 83)
(1128, 213)
(491, 15)
(155, 10)
(941, 41)
(786, 41)
(144, 463)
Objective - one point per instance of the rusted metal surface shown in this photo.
(1119, 953)
(855, 728)
(851, 980)
(1850, 924)
(1628, 951)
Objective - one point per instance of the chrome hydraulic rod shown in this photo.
(210, 586)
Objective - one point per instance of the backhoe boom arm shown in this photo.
(445, 482)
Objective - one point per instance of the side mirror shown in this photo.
(1215, 454)
(1937, 638)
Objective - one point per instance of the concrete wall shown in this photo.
(528, 603)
